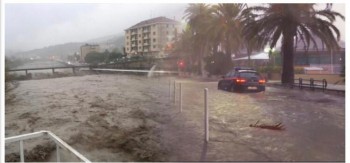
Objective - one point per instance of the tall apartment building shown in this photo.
(86, 49)
(152, 37)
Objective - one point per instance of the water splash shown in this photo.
(151, 71)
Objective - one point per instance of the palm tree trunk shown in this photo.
(288, 59)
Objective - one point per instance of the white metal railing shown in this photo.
(59, 144)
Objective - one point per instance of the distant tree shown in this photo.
(135, 58)
(216, 64)
(14, 61)
(117, 50)
(71, 58)
(106, 54)
(95, 57)
(114, 56)
(77, 56)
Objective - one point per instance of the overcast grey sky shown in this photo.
(30, 26)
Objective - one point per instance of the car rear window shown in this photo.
(248, 74)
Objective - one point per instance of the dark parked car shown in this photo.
(242, 79)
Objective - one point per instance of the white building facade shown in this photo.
(153, 37)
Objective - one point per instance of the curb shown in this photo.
(309, 89)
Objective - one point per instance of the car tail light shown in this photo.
(262, 81)
(240, 80)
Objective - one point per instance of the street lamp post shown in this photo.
(270, 51)
(332, 69)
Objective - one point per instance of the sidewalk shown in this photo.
(330, 87)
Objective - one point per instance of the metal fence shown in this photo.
(312, 84)
(60, 144)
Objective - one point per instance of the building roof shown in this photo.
(258, 56)
(320, 45)
(153, 21)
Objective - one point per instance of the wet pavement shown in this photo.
(314, 125)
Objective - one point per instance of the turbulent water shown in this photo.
(150, 73)
(134, 118)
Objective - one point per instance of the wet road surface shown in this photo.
(314, 125)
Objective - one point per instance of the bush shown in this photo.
(278, 69)
(217, 64)
(95, 57)
(269, 69)
(298, 70)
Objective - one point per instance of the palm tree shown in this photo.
(197, 16)
(224, 28)
(291, 22)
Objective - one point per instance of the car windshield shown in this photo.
(248, 74)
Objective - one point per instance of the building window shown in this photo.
(154, 40)
(139, 35)
(154, 33)
(167, 25)
(127, 48)
(154, 46)
(127, 43)
(127, 37)
(167, 32)
(139, 42)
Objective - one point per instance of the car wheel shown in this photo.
(262, 89)
(232, 88)
(219, 86)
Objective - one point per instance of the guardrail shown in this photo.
(53, 68)
(59, 144)
(311, 83)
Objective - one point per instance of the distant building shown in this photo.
(331, 62)
(86, 49)
(316, 55)
(153, 37)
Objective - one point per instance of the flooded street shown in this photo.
(314, 124)
(134, 118)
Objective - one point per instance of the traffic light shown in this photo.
(181, 63)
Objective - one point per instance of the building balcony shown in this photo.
(146, 31)
(145, 37)
(133, 45)
(133, 33)
(145, 43)
(145, 50)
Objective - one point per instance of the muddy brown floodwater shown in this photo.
(114, 117)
